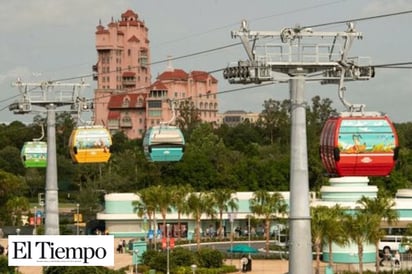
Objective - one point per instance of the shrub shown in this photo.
(210, 258)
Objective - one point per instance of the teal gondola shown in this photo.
(163, 143)
(34, 154)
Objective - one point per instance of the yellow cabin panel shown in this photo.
(90, 145)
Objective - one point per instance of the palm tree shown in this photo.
(319, 218)
(380, 207)
(147, 205)
(334, 229)
(197, 204)
(359, 227)
(268, 205)
(179, 195)
(224, 200)
(17, 205)
(163, 203)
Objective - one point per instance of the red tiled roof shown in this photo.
(100, 30)
(176, 74)
(199, 75)
(133, 39)
(113, 115)
(116, 101)
(158, 86)
(129, 74)
(129, 13)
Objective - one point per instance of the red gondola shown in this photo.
(359, 144)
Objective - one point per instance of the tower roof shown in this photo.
(118, 100)
(176, 74)
(199, 75)
(158, 86)
(129, 14)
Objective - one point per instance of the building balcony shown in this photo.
(129, 82)
(113, 124)
(126, 124)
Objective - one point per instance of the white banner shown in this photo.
(61, 250)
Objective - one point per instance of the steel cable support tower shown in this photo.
(49, 95)
(295, 61)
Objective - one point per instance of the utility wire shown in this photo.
(360, 19)
(396, 65)
(253, 20)
(237, 44)
(393, 65)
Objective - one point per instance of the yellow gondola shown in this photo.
(90, 144)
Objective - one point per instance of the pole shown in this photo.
(248, 228)
(77, 218)
(35, 220)
(300, 245)
(231, 238)
(168, 248)
(49, 100)
(136, 252)
(52, 199)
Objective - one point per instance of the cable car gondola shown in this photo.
(34, 154)
(163, 143)
(90, 144)
(359, 144)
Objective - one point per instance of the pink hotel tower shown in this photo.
(125, 98)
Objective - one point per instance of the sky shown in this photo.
(44, 40)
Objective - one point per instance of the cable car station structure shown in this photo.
(296, 60)
(50, 95)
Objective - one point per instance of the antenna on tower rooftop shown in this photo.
(169, 63)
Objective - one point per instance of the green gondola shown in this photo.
(34, 154)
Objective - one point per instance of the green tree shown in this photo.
(224, 200)
(4, 265)
(163, 202)
(179, 195)
(198, 167)
(188, 117)
(274, 118)
(200, 203)
(335, 230)
(10, 186)
(16, 206)
(382, 210)
(269, 205)
(319, 218)
(10, 160)
(360, 227)
(147, 205)
(64, 128)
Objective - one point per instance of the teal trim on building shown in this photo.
(405, 213)
(350, 258)
(128, 234)
(119, 207)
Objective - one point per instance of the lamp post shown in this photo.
(193, 266)
(168, 248)
(231, 219)
(136, 251)
(77, 218)
(35, 221)
(248, 228)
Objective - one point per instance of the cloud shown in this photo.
(14, 73)
(32, 14)
(386, 6)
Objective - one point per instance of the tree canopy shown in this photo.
(246, 157)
